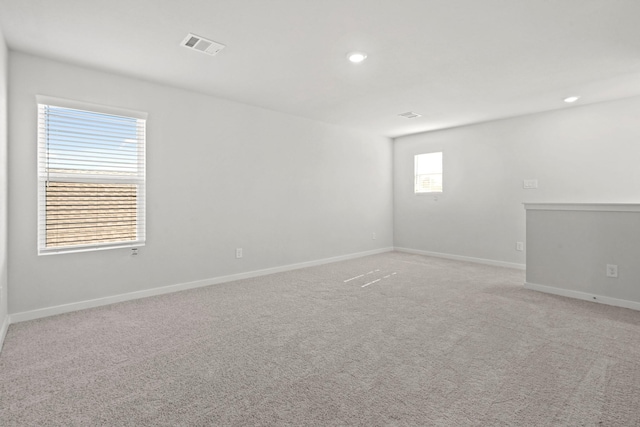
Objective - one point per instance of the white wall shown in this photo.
(580, 154)
(3, 188)
(220, 175)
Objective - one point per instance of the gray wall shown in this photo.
(569, 248)
(580, 154)
(3, 184)
(220, 175)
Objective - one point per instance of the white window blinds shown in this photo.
(91, 177)
(428, 173)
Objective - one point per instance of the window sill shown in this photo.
(91, 248)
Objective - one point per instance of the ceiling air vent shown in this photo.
(410, 115)
(201, 44)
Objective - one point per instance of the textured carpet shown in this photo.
(439, 343)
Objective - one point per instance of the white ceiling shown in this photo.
(453, 61)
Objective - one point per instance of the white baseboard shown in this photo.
(583, 296)
(81, 305)
(3, 330)
(464, 258)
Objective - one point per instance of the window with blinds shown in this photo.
(428, 173)
(91, 177)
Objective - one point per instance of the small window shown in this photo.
(428, 173)
(91, 180)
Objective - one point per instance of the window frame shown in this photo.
(416, 175)
(42, 177)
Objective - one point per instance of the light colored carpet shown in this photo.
(439, 343)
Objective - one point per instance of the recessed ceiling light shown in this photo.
(571, 99)
(357, 57)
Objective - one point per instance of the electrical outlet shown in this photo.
(519, 246)
(373, 236)
(238, 252)
(530, 184)
(612, 270)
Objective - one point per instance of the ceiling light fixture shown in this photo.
(571, 99)
(357, 57)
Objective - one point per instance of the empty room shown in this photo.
(319, 213)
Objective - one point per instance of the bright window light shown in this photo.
(91, 169)
(428, 173)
